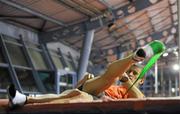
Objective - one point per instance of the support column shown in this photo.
(85, 53)
(178, 38)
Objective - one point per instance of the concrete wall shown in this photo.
(65, 49)
(32, 36)
(14, 32)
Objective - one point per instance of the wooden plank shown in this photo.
(149, 105)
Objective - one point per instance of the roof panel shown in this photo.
(50, 25)
(97, 4)
(141, 20)
(68, 16)
(10, 11)
(117, 3)
(34, 22)
(159, 5)
(160, 17)
(48, 7)
(53, 8)
(163, 24)
(105, 41)
(26, 2)
(134, 16)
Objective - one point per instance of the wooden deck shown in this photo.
(129, 106)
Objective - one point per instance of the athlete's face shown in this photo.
(133, 73)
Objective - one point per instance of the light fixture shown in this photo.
(165, 54)
(165, 33)
(175, 53)
(176, 67)
(173, 90)
(173, 30)
(67, 69)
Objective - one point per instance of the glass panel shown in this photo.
(5, 78)
(38, 59)
(8, 38)
(69, 64)
(2, 60)
(26, 80)
(16, 55)
(56, 60)
(31, 45)
(3, 95)
(48, 79)
(66, 82)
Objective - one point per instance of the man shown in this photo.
(115, 92)
(124, 69)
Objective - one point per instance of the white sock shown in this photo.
(19, 98)
(149, 51)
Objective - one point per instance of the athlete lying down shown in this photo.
(99, 87)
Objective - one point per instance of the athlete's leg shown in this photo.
(65, 96)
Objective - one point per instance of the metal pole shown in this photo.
(83, 63)
(170, 86)
(162, 84)
(156, 78)
(11, 69)
(176, 85)
(62, 59)
(54, 68)
(179, 37)
(46, 56)
(72, 59)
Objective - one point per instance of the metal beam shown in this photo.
(78, 9)
(43, 25)
(101, 20)
(47, 57)
(62, 59)
(73, 61)
(28, 10)
(17, 17)
(11, 69)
